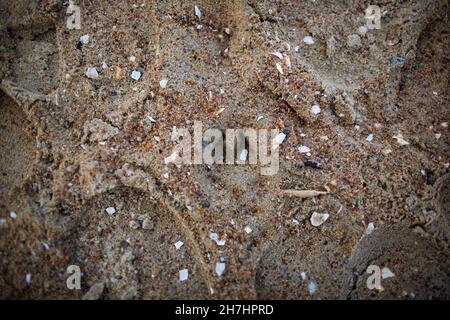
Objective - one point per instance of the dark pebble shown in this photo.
(314, 165)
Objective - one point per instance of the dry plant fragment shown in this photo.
(303, 193)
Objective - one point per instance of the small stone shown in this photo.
(136, 75)
(248, 230)
(220, 268)
(370, 137)
(205, 203)
(314, 165)
(183, 274)
(95, 292)
(13, 215)
(354, 41)
(92, 73)
(45, 245)
(147, 224)
(28, 278)
(134, 224)
(318, 219)
(362, 30)
(110, 210)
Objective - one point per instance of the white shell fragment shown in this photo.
(84, 39)
(279, 68)
(315, 109)
(111, 210)
(163, 83)
(136, 75)
(369, 137)
(243, 155)
(279, 139)
(198, 13)
(312, 287)
(248, 230)
(277, 54)
(45, 245)
(304, 149)
(215, 237)
(386, 273)
(179, 244)
(308, 40)
(318, 219)
(184, 274)
(370, 228)
(172, 158)
(92, 73)
(220, 268)
(400, 140)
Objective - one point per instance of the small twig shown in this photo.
(304, 193)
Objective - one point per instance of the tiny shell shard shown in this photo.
(318, 219)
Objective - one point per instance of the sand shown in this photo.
(75, 144)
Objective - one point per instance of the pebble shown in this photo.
(220, 268)
(147, 224)
(111, 210)
(314, 165)
(308, 40)
(28, 277)
(354, 40)
(370, 137)
(318, 219)
(184, 274)
(248, 230)
(134, 224)
(303, 275)
(179, 244)
(92, 73)
(13, 215)
(136, 75)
